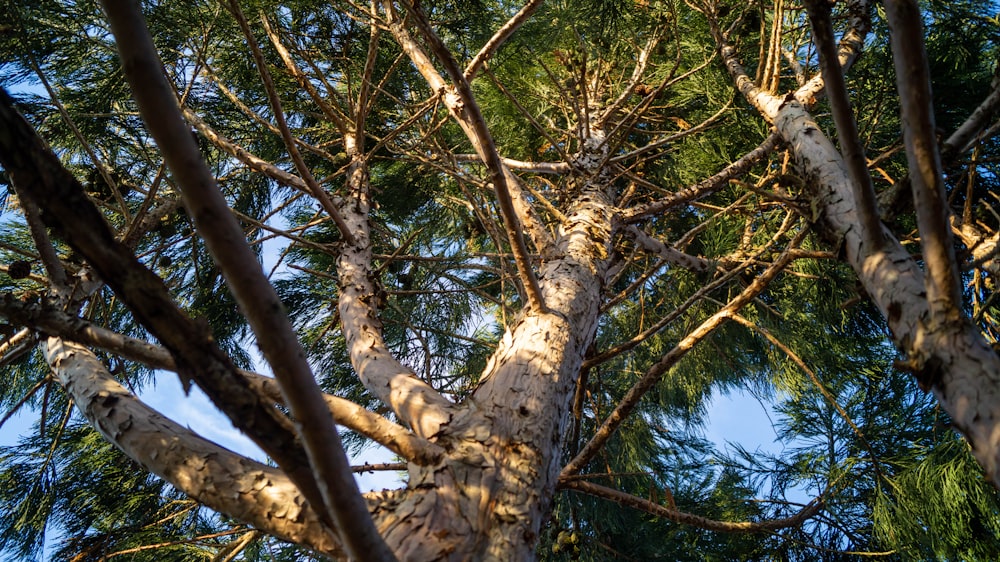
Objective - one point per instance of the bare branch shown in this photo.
(255, 493)
(658, 369)
(815, 380)
(847, 129)
(253, 162)
(54, 267)
(676, 516)
(499, 38)
(914, 85)
(332, 112)
(668, 253)
(959, 141)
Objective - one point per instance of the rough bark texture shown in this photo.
(252, 492)
(486, 499)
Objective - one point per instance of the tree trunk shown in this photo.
(487, 498)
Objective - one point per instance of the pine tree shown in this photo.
(518, 246)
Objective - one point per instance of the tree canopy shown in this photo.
(519, 246)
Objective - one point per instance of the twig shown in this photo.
(286, 134)
(689, 518)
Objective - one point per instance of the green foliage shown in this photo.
(850, 429)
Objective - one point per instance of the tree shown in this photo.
(522, 245)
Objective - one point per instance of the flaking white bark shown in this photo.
(244, 489)
(951, 358)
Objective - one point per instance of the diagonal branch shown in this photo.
(499, 38)
(279, 116)
(332, 112)
(252, 161)
(847, 128)
(255, 493)
(656, 327)
(815, 380)
(257, 298)
(929, 200)
(54, 322)
(706, 186)
(658, 369)
(38, 174)
(635, 502)
(462, 104)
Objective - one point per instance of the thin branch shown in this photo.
(102, 169)
(24, 399)
(658, 369)
(499, 38)
(929, 200)
(668, 253)
(960, 140)
(394, 466)
(815, 380)
(534, 167)
(706, 186)
(463, 106)
(847, 129)
(252, 161)
(279, 116)
(705, 290)
(249, 112)
(676, 516)
(47, 253)
(332, 112)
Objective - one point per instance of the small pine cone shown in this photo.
(19, 269)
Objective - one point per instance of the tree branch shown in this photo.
(236, 151)
(847, 129)
(53, 321)
(332, 112)
(706, 186)
(677, 516)
(929, 199)
(461, 102)
(338, 490)
(499, 38)
(279, 116)
(658, 369)
(232, 484)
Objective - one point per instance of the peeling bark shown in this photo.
(952, 358)
(247, 490)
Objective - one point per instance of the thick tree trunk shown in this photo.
(487, 498)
